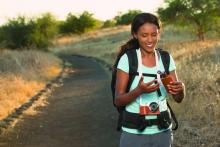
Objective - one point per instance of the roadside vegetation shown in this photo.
(22, 75)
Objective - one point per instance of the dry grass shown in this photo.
(101, 44)
(14, 91)
(63, 40)
(199, 113)
(30, 64)
(22, 75)
(189, 48)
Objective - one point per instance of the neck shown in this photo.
(147, 53)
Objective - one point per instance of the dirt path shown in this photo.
(79, 114)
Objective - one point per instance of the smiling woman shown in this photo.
(148, 37)
(140, 96)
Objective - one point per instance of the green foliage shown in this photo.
(16, 33)
(84, 23)
(109, 23)
(28, 33)
(126, 18)
(44, 30)
(199, 15)
(69, 25)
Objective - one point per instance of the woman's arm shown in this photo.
(176, 88)
(121, 97)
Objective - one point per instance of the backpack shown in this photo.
(133, 66)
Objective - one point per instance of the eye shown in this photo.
(144, 35)
(154, 34)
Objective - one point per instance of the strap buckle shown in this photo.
(146, 123)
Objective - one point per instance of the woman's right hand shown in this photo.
(148, 87)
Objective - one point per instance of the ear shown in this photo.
(134, 35)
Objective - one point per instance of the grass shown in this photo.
(198, 67)
(199, 112)
(101, 44)
(64, 40)
(22, 75)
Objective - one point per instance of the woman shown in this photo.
(143, 93)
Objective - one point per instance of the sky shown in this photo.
(102, 9)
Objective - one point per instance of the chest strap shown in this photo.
(137, 121)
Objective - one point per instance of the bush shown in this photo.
(109, 23)
(69, 25)
(84, 23)
(125, 19)
(45, 29)
(22, 32)
(16, 33)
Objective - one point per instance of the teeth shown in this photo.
(150, 45)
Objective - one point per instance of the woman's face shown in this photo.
(148, 36)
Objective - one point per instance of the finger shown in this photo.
(142, 78)
(171, 92)
(176, 90)
(175, 85)
(152, 82)
(154, 87)
(149, 89)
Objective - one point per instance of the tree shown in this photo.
(80, 24)
(126, 18)
(199, 15)
(109, 23)
(22, 32)
(45, 29)
(69, 25)
(16, 32)
(87, 22)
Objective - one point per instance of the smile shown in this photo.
(149, 45)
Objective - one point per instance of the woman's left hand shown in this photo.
(175, 87)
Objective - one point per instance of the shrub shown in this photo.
(125, 19)
(22, 32)
(81, 24)
(109, 23)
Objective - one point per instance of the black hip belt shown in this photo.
(137, 121)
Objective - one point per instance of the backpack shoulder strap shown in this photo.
(133, 66)
(165, 56)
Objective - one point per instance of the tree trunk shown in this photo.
(201, 35)
(200, 31)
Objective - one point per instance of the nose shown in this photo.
(149, 39)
